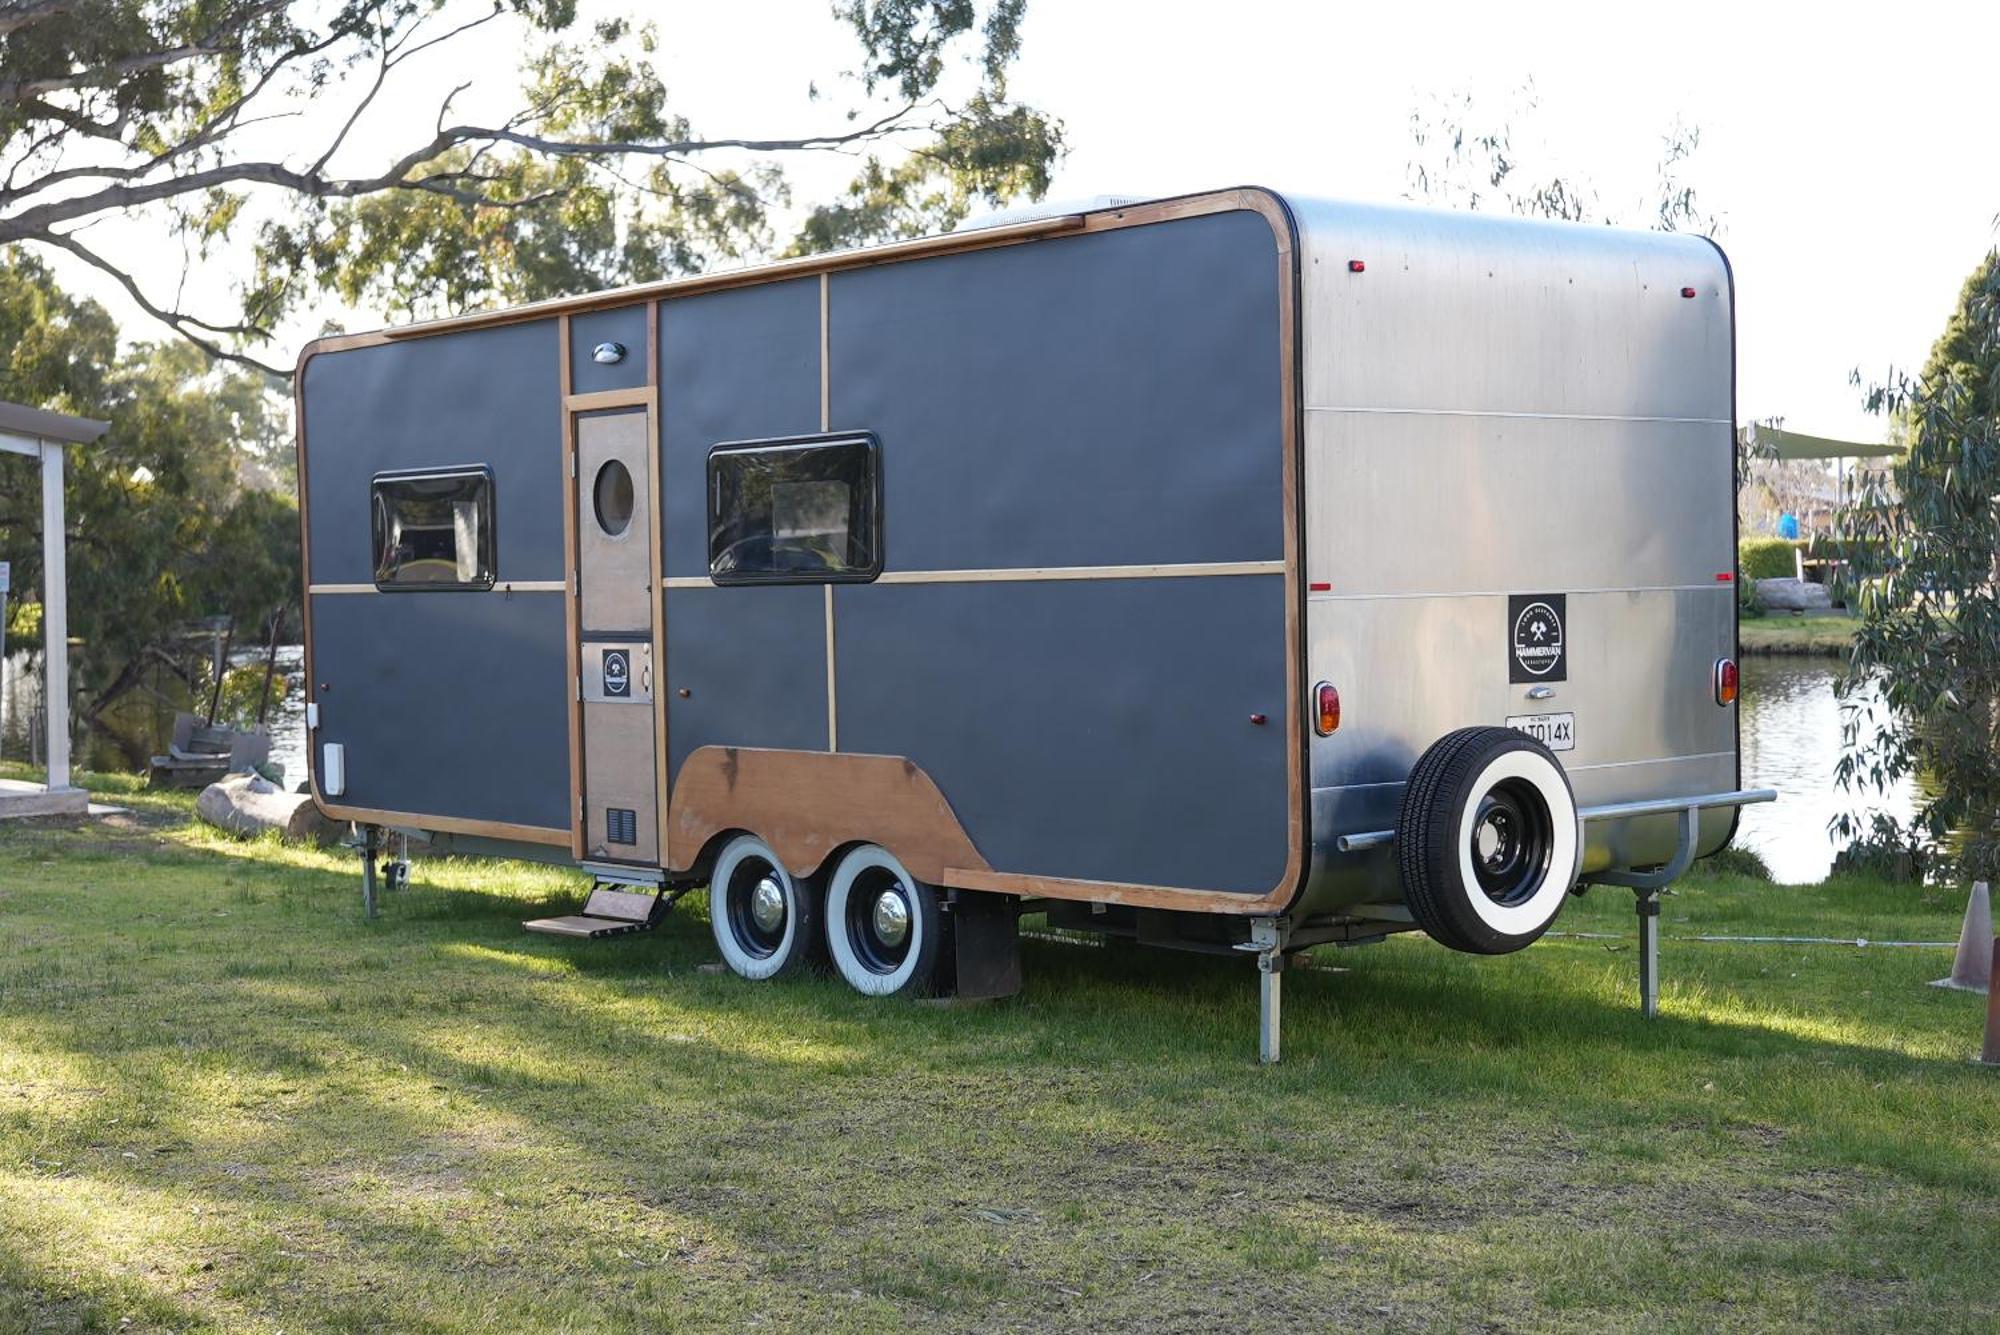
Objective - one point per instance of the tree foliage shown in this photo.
(162, 108)
(1466, 158)
(159, 529)
(1924, 542)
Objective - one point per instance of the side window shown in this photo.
(801, 511)
(433, 530)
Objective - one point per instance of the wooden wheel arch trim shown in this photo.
(968, 873)
(808, 804)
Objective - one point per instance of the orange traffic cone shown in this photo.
(1972, 967)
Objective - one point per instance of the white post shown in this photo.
(55, 617)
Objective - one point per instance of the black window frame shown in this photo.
(864, 575)
(489, 537)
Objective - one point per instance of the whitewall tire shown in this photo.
(885, 929)
(766, 921)
(1488, 842)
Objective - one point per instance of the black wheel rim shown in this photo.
(757, 941)
(1512, 842)
(877, 953)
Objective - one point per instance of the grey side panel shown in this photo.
(1464, 312)
(1091, 729)
(1529, 503)
(753, 662)
(488, 396)
(1104, 399)
(734, 365)
(625, 325)
(449, 704)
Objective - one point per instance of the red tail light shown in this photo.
(1326, 709)
(1725, 681)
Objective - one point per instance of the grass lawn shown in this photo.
(228, 1103)
(1820, 634)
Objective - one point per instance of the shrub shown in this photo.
(1734, 861)
(1884, 851)
(1767, 558)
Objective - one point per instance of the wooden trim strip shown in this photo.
(1104, 892)
(825, 424)
(305, 569)
(977, 238)
(505, 586)
(1025, 574)
(832, 680)
(642, 397)
(492, 829)
(656, 497)
(1191, 570)
(573, 646)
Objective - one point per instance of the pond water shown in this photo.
(1791, 742)
(146, 716)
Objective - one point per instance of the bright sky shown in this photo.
(1842, 145)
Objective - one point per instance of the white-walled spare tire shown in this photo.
(766, 921)
(884, 928)
(1487, 842)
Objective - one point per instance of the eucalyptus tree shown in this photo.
(212, 117)
(159, 528)
(1923, 537)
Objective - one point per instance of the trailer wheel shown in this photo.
(1488, 842)
(884, 928)
(766, 921)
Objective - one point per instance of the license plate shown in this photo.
(1555, 731)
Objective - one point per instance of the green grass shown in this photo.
(227, 1103)
(1818, 634)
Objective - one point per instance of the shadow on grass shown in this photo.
(439, 1052)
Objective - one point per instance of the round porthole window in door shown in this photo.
(612, 496)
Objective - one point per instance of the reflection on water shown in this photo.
(1791, 742)
(146, 716)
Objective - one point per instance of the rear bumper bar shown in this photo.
(1652, 806)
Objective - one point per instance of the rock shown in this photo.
(1794, 595)
(249, 804)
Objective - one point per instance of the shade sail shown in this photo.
(1798, 445)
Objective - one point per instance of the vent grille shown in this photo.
(621, 826)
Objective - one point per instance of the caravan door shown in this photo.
(615, 599)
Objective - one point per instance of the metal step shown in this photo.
(580, 924)
(611, 910)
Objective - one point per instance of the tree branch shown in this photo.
(182, 324)
(112, 73)
(35, 223)
(22, 13)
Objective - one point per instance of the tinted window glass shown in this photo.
(434, 530)
(796, 511)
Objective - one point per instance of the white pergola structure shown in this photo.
(44, 435)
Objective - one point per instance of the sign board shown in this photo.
(617, 674)
(1536, 649)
